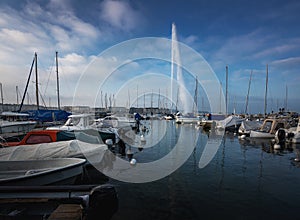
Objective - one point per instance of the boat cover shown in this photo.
(63, 149)
(231, 120)
(45, 115)
(250, 125)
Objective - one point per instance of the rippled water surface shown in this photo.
(244, 180)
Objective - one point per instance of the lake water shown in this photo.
(244, 180)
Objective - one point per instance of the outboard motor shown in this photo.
(280, 136)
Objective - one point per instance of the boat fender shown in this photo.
(277, 146)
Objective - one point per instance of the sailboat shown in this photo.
(44, 115)
(14, 123)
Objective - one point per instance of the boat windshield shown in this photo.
(267, 126)
(72, 121)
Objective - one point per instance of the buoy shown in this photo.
(296, 159)
(132, 161)
(277, 146)
(109, 142)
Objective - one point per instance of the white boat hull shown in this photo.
(19, 127)
(295, 139)
(183, 120)
(261, 134)
(40, 172)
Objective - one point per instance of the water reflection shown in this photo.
(244, 178)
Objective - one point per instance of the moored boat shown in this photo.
(83, 123)
(247, 126)
(269, 128)
(14, 123)
(293, 135)
(63, 149)
(48, 136)
(231, 123)
(187, 119)
(115, 122)
(40, 172)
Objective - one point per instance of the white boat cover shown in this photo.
(62, 149)
(231, 120)
(250, 125)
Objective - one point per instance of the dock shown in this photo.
(58, 202)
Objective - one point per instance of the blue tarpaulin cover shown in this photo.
(44, 115)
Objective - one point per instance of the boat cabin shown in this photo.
(272, 125)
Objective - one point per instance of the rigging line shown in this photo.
(45, 90)
(42, 98)
(63, 77)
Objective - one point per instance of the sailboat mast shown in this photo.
(1, 90)
(286, 98)
(57, 81)
(158, 101)
(247, 97)
(226, 98)
(265, 110)
(25, 92)
(17, 91)
(36, 82)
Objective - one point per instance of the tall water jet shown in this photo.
(176, 65)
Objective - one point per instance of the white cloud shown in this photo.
(190, 40)
(120, 14)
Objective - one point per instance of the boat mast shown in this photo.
(247, 97)
(265, 110)
(226, 98)
(36, 82)
(158, 101)
(286, 97)
(17, 91)
(1, 90)
(57, 81)
(24, 94)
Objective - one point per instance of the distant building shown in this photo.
(77, 109)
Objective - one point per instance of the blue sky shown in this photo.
(245, 35)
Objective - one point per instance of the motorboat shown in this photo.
(40, 172)
(48, 136)
(83, 123)
(293, 134)
(187, 119)
(247, 126)
(76, 122)
(269, 128)
(169, 117)
(115, 122)
(62, 149)
(14, 123)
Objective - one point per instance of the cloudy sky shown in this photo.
(245, 35)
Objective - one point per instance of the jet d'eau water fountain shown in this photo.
(180, 87)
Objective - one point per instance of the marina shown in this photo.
(166, 170)
(147, 123)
